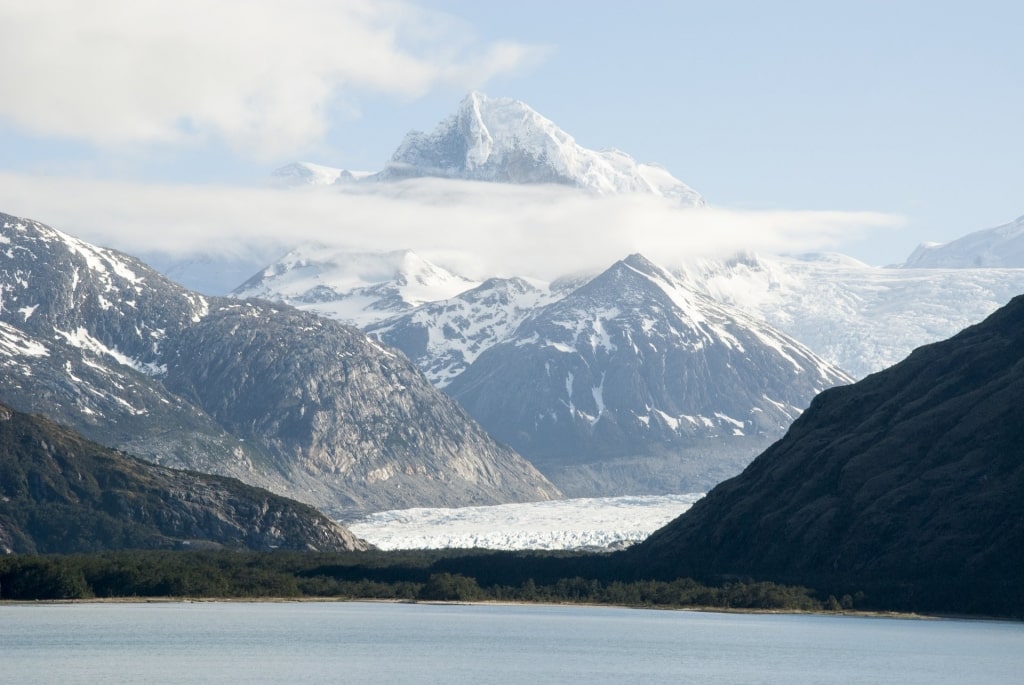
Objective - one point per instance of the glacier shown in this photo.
(601, 523)
(858, 317)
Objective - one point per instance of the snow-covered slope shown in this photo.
(355, 287)
(443, 338)
(632, 364)
(504, 140)
(593, 523)
(309, 174)
(1001, 247)
(858, 317)
(635, 364)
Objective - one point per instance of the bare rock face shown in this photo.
(61, 493)
(278, 398)
(340, 413)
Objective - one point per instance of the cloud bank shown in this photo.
(263, 75)
(477, 228)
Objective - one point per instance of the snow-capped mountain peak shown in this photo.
(482, 131)
(861, 318)
(443, 338)
(98, 341)
(630, 366)
(358, 287)
(999, 247)
(502, 140)
(506, 141)
(646, 267)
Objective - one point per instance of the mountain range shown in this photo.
(906, 487)
(303, 405)
(628, 382)
(858, 318)
(633, 384)
(496, 335)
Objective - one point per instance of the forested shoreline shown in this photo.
(405, 576)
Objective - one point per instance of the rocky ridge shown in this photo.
(633, 366)
(98, 341)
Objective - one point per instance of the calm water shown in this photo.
(418, 643)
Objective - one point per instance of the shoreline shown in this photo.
(897, 615)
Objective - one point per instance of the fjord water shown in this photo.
(422, 643)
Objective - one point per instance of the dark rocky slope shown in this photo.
(908, 486)
(61, 493)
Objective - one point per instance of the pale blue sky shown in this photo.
(901, 107)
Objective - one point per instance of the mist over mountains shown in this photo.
(396, 381)
(502, 346)
(858, 317)
(501, 140)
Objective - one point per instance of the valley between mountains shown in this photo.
(356, 383)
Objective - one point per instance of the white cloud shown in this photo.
(264, 75)
(539, 231)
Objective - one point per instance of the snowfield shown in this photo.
(605, 523)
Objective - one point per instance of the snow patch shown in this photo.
(598, 393)
(81, 339)
(14, 343)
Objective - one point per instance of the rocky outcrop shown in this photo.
(342, 416)
(61, 493)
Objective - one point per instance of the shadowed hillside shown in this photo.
(907, 486)
(61, 493)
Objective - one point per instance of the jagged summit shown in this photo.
(606, 381)
(506, 141)
(502, 140)
(443, 338)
